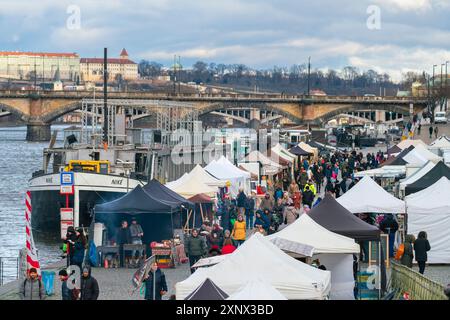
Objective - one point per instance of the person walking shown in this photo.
(89, 286)
(195, 248)
(70, 239)
(421, 247)
(250, 210)
(123, 236)
(430, 130)
(79, 248)
(241, 200)
(32, 287)
(390, 227)
(436, 131)
(419, 128)
(239, 233)
(66, 293)
(157, 278)
(136, 234)
(408, 251)
(266, 203)
(308, 196)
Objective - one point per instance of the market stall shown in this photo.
(334, 217)
(368, 196)
(223, 169)
(429, 210)
(158, 213)
(432, 176)
(256, 257)
(333, 250)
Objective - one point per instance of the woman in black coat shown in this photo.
(160, 283)
(421, 247)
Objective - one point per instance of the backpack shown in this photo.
(400, 252)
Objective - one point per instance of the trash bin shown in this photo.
(48, 280)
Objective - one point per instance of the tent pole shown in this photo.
(201, 212)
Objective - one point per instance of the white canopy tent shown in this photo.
(333, 250)
(409, 142)
(416, 176)
(441, 142)
(429, 210)
(383, 172)
(203, 176)
(420, 155)
(192, 186)
(257, 289)
(369, 196)
(269, 167)
(283, 153)
(310, 149)
(177, 182)
(223, 169)
(258, 257)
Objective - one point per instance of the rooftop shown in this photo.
(110, 61)
(38, 54)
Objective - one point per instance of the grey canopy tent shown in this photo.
(439, 170)
(398, 160)
(208, 290)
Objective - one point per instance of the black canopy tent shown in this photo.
(208, 290)
(394, 149)
(298, 151)
(155, 215)
(333, 216)
(439, 170)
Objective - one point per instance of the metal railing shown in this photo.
(9, 269)
(417, 286)
(235, 95)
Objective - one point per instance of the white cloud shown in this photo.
(406, 5)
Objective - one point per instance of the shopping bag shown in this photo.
(400, 252)
(48, 279)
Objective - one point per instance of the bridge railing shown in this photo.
(419, 287)
(155, 95)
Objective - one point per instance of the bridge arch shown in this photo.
(61, 111)
(15, 112)
(260, 106)
(359, 107)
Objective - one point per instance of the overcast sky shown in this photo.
(413, 34)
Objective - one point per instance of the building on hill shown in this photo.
(42, 66)
(92, 68)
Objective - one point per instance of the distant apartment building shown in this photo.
(18, 65)
(92, 68)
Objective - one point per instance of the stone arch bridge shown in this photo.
(40, 108)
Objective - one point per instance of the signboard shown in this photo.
(66, 189)
(66, 214)
(67, 178)
(140, 275)
(64, 226)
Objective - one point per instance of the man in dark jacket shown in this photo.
(241, 200)
(308, 196)
(89, 286)
(390, 227)
(159, 280)
(195, 248)
(66, 293)
(421, 247)
(123, 236)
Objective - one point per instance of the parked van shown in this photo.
(440, 117)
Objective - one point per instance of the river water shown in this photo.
(18, 160)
